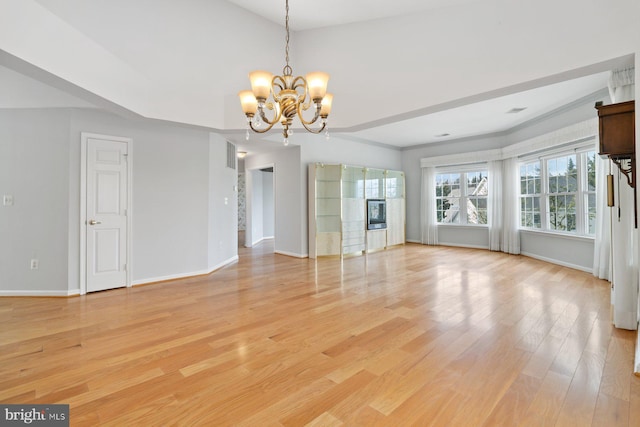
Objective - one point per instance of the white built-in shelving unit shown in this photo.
(337, 209)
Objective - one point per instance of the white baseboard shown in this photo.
(183, 275)
(555, 261)
(636, 363)
(222, 264)
(414, 241)
(456, 245)
(292, 254)
(34, 293)
(259, 241)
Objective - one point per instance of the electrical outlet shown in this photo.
(7, 200)
(34, 264)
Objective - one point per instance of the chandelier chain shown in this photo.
(287, 69)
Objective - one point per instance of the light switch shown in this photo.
(7, 200)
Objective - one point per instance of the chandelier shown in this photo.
(286, 96)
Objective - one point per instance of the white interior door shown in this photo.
(106, 214)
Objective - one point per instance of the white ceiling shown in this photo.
(458, 119)
(479, 118)
(484, 117)
(310, 14)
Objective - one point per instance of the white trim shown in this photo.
(84, 137)
(555, 261)
(461, 245)
(566, 136)
(636, 363)
(462, 158)
(466, 225)
(292, 254)
(24, 293)
(413, 241)
(184, 275)
(260, 241)
(566, 236)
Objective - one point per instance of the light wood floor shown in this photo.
(414, 335)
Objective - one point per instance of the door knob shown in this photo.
(94, 222)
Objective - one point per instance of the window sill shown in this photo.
(473, 226)
(567, 236)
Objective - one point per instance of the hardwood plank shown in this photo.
(414, 335)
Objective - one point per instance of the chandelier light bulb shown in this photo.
(279, 99)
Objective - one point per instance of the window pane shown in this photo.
(591, 214)
(591, 171)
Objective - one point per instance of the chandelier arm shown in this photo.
(300, 83)
(276, 117)
(268, 128)
(305, 107)
(324, 125)
(279, 82)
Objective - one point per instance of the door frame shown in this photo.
(84, 140)
(248, 236)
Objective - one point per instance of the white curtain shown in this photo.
(621, 85)
(428, 218)
(602, 246)
(624, 236)
(510, 206)
(495, 205)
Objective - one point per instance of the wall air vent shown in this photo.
(231, 155)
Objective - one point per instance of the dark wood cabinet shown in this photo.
(617, 130)
(617, 124)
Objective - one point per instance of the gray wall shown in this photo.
(181, 225)
(289, 224)
(34, 169)
(576, 252)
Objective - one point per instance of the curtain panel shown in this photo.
(495, 203)
(428, 217)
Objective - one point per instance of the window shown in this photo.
(530, 195)
(558, 193)
(461, 197)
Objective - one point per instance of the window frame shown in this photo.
(463, 170)
(581, 194)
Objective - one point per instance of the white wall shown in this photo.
(446, 55)
(471, 51)
(256, 205)
(223, 206)
(268, 207)
(178, 194)
(289, 225)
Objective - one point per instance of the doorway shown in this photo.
(105, 217)
(260, 205)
